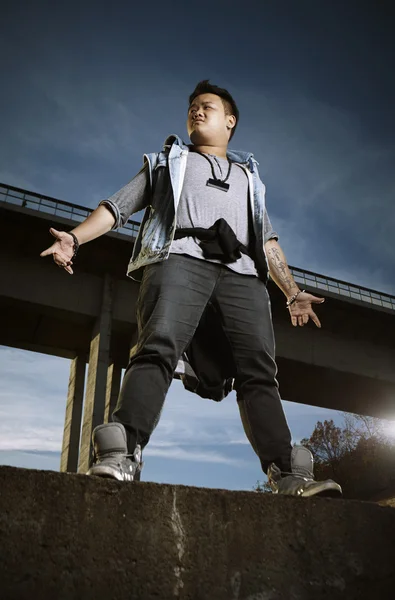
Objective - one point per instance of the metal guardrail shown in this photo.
(342, 288)
(52, 206)
(20, 197)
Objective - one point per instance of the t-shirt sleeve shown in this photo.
(134, 196)
(268, 231)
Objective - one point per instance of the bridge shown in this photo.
(89, 318)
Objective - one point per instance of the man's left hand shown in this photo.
(301, 310)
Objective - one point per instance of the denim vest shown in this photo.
(158, 226)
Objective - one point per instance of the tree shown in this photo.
(327, 442)
(360, 427)
(360, 456)
(262, 486)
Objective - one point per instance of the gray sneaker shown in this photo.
(301, 482)
(111, 454)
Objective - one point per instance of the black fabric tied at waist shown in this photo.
(218, 242)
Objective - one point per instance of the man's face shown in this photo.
(207, 122)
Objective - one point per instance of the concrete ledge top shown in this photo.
(68, 536)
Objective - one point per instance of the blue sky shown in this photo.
(87, 88)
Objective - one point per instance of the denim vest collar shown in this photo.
(176, 145)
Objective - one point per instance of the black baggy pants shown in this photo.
(172, 298)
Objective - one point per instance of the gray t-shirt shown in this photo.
(199, 206)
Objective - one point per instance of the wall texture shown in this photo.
(69, 537)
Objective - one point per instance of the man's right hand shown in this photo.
(62, 249)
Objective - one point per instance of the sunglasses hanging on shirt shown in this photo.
(215, 182)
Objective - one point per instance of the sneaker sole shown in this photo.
(106, 472)
(331, 490)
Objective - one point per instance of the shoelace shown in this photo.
(138, 463)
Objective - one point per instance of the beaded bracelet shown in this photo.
(76, 244)
(293, 298)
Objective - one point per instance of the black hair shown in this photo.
(204, 87)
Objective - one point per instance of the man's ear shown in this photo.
(230, 121)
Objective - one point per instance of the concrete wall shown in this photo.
(71, 537)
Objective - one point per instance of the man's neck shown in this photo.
(219, 151)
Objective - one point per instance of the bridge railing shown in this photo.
(24, 198)
(343, 288)
(19, 197)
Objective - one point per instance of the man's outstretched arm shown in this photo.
(110, 214)
(301, 308)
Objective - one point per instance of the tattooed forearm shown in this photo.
(279, 270)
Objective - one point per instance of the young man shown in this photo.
(206, 244)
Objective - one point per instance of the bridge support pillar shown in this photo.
(72, 425)
(113, 386)
(96, 388)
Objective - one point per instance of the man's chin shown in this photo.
(198, 138)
